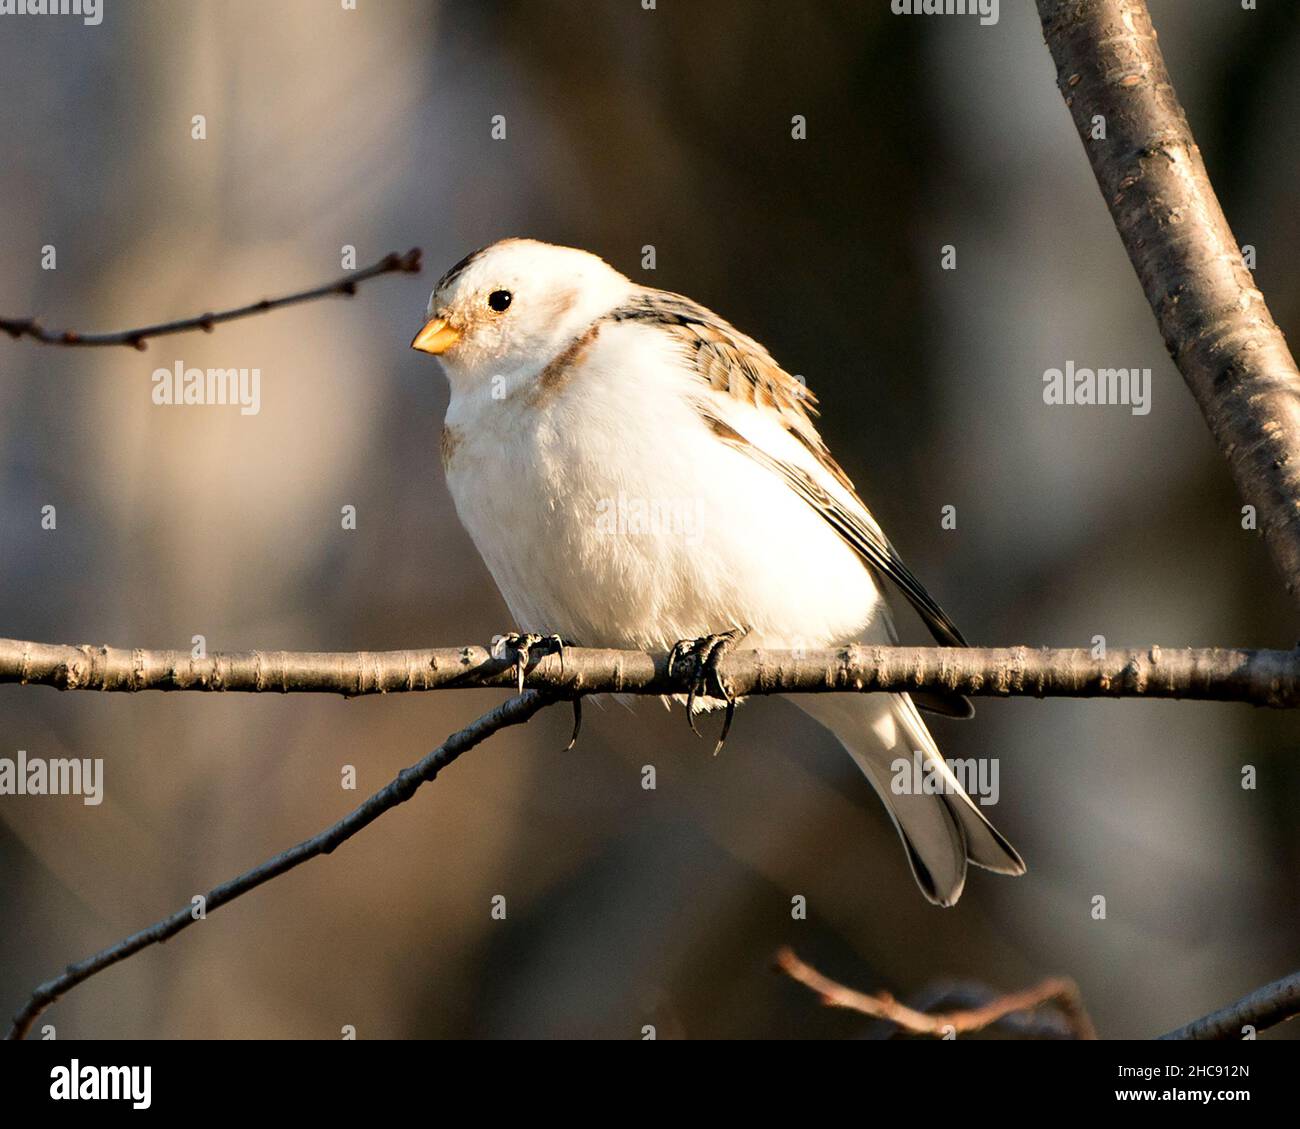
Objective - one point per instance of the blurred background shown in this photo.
(624, 128)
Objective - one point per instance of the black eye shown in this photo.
(500, 300)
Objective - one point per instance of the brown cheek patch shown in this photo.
(563, 303)
(555, 376)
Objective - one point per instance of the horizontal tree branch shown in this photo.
(1214, 320)
(1265, 1007)
(135, 338)
(401, 789)
(1266, 678)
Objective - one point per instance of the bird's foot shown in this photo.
(521, 645)
(704, 654)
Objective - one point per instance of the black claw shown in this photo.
(730, 699)
(726, 725)
(690, 708)
(556, 645)
(682, 649)
(577, 723)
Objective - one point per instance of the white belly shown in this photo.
(608, 513)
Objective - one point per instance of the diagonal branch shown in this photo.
(1214, 321)
(1265, 1007)
(1270, 678)
(398, 791)
(1064, 993)
(135, 338)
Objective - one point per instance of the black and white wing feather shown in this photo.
(731, 364)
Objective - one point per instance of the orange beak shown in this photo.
(436, 337)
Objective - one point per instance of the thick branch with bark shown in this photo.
(135, 338)
(1214, 320)
(1267, 678)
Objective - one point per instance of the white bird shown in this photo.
(636, 472)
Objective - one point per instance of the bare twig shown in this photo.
(1265, 1007)
(1063, 992)
(408, 263)
(1215, 323)
(943, 995)
(1269, 678)
(401, 789)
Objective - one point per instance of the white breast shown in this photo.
(609, 513)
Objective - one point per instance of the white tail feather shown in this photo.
(941, 832)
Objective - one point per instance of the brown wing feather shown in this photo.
(730, 362)
(733, 363)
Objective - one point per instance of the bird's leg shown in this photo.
(521, 645)
(705, 653)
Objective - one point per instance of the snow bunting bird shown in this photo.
(636, 472)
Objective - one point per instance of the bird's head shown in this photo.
(513, 306)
